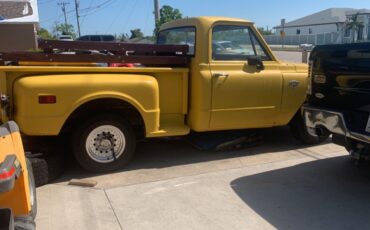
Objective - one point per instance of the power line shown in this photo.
(129, 16)
(87, 10)
(116, 17)
(97, 8)
(148, 13)
(63, 5)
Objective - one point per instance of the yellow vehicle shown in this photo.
(232, 81)
(17, 188)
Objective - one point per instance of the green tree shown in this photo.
(122, 37)
(136, 33)
(44, 34)
(167, 14)
(264, 31)
(64, 29)
(354, 25)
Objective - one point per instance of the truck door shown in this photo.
(246, 81)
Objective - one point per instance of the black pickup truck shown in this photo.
(338, 99)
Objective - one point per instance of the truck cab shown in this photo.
(236, 81)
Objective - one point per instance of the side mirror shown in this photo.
(256, 61)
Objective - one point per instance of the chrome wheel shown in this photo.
(105, 144)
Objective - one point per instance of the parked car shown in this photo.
(97, 38)
(339, 95)
(306, 46)
(65, 38)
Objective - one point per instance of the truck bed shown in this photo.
(100, 52)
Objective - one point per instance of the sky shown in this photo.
(120, 16)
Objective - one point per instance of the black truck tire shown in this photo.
(47, 167)
(104, 143)
(300, 132)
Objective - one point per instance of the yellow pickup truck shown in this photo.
(228, 79)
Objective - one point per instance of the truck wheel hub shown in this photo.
(105, 143)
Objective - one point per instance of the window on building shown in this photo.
(347, 33)
(309, 30)
(368, 33)
(298, 31)
(360, 33)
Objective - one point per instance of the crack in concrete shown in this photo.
(114, 212)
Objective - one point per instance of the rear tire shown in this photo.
(301, 133)
(104, 143)
(47, 167)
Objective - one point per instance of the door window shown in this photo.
(236, 43)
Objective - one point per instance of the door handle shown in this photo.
(220, 75)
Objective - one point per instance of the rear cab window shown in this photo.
(230, 42)
(178, 36)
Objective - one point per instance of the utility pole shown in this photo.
(63, 5)
(77, 4)
(156, 10)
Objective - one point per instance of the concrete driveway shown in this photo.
(280, 184)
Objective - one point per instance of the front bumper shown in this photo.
(333, 121)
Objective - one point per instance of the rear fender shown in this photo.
(73, 90)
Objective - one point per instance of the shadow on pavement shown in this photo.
(161, 153)
(323, 194)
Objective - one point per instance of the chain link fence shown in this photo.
(316, 39)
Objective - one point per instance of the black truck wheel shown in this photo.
(301, 132)
(104, 143)
(47, 167)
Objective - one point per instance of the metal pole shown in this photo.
(157, 15)
(63, 5)
(78, 17)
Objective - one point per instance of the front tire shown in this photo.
(300, 132)
(104, 143)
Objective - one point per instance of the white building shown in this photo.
(331, 24)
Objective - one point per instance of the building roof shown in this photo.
(361, 11)
(328, 16)
(10, 10)
(18, 11)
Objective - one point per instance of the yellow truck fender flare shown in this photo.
(149, 117)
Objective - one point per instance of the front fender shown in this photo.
(74, 90)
